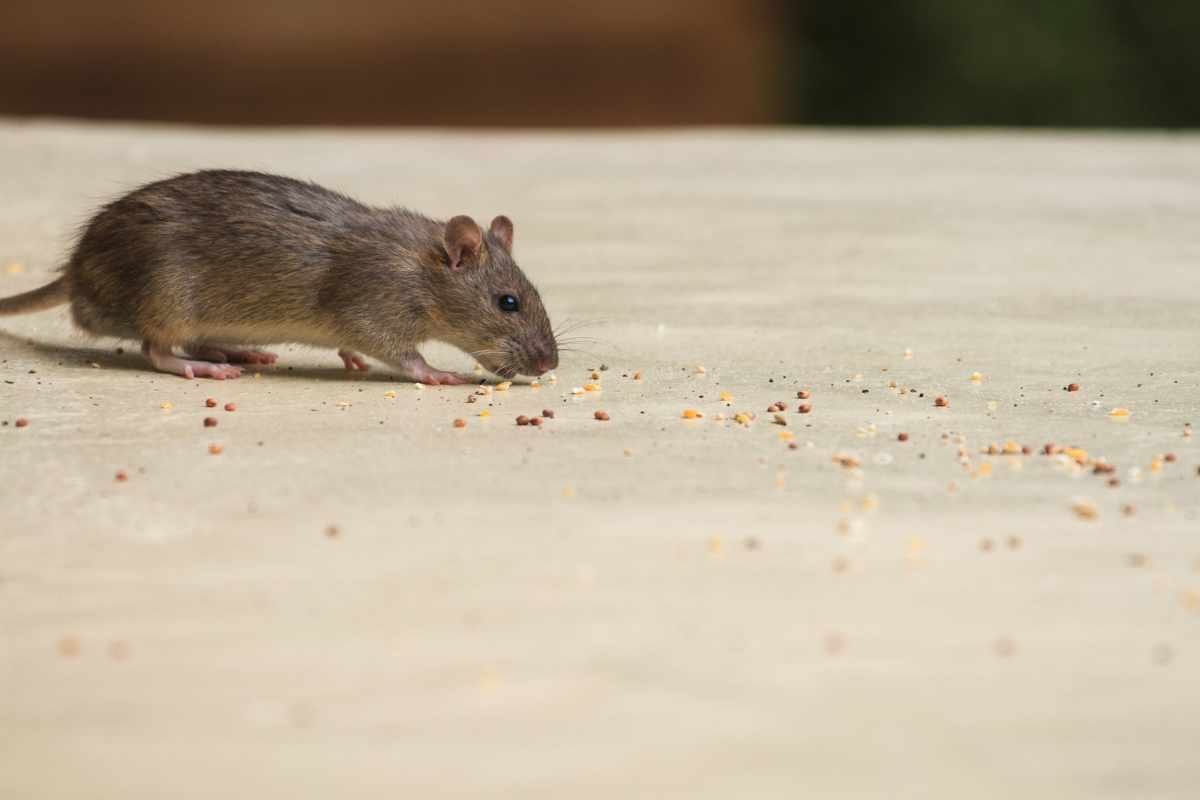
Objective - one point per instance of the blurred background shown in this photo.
(1111, 63)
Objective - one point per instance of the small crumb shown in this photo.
(803, 394)
(941, 402)
(976, 378)
(536, 422)
(216, 449)
(522, 420)
(1014, 543)
(691, 413)
(741, 418)
(726, 397)
(1119, 413)
(210, 402)
(332, 531)
(460, 423)
(902, 437)
(804, 408)
(1072, 387)
(908, 354)
(700, 370)
(484, 414)
(548, 413)
(69, 647)
(390, 394)
(591, 387)
(1085, 509)
(595, 375)
(841, 564)
(1170, 458)
(602, 416)
(231, 406)
(503, 386)
(1128, 510)
(210, 422)
(121, 476)
(166, 405)
(779, 419)
(21, 422)
(715, 545)
(628, 451)
(637, 376)
(472, 398)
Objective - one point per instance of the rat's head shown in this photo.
(492, 310)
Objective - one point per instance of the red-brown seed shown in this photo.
(602, 416)
(1072, 387)
(548, 413)
(211, 403)
(1169, 458)
(772, 408)
(941, 402)
(804, 408)
(216, 449)
(121, 476)
(780, 405)
(903, 437)
(22, 422)
(210, 422)
(231, 406)
(460, 423)
(536, 422)
(803, 394)
(1114, 482)
(522, 420)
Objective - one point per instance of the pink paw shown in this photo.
(207, 369)
(439, 378)
(353, 360)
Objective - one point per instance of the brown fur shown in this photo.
(226, 256)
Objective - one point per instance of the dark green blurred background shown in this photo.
(1105, 63)
(531, 63)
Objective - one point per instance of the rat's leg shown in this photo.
(413, 366)
(353, 360)
(161, 357)
(221, 354)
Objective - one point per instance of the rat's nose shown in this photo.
(544, 362)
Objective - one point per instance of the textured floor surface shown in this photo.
(356, 599)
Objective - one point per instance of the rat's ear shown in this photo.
(502, 229)
(461, 239)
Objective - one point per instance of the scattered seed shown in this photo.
(69, 647)
(210, 402)
(1085, 509)
(1169, 458)
(216, 449)
(804, 408)
(210, 422)
(332, 531)
(1014, 543)
(548, 413)
(1072, 387)
(902, 437)
(503, 386)
(21, 422)
(231, 406)
(691, 413)
(779, 419)
(121, 476)
(803, 394)
(1119, 413)
(941, 402)
(536, 422)
(460, 423)
(522, 420)
(602, 416)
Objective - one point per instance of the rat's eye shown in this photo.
(508, 303)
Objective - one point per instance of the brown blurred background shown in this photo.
(604, 62)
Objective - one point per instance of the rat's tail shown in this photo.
(49, 296)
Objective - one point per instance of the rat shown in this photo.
(218, 262)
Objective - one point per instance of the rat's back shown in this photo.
(219, 248)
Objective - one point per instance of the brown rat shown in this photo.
(217, 260)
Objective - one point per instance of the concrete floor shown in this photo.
(645, 607)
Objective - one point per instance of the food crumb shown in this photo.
(121, 476)
(503, 386)
(1084, 509)
(332, 531)
(522, 420)
(21, 422)
(210, 402)
(216, 449)
(803, 394)
(941, 402)
(1119, 413)
(1072, 387)
(548, 413)
(69, 647)
(691, 413)
(166, 405)
(804, 408)
(601, 416)
(210, 422)
(536, 422)
(461, 423)
(902, 437)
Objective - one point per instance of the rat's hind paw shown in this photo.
(225, 355)
(164, 360)
(353, 361)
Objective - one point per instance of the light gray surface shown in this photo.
(518, 612)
